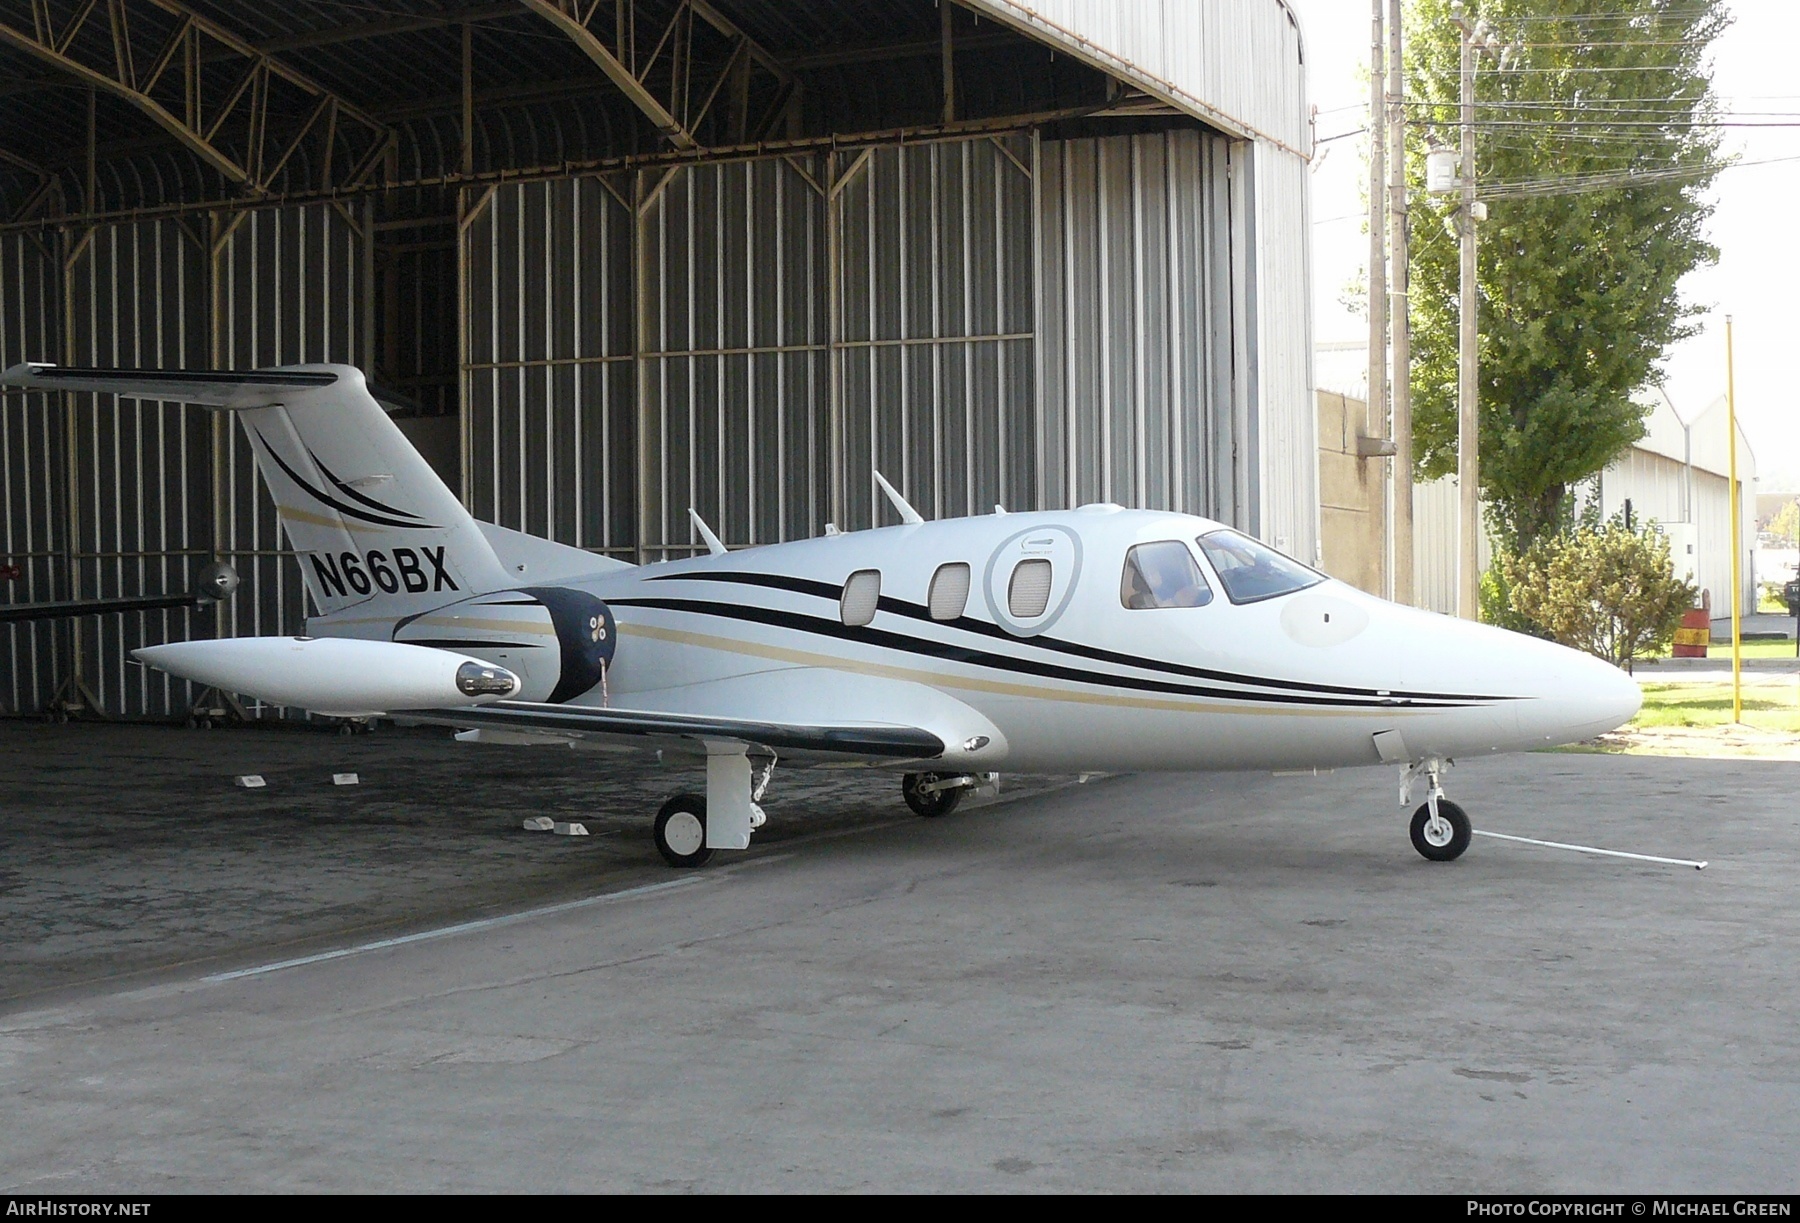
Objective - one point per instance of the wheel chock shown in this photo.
(539, 823)
(570, 829)
(251, 781)
(345, 779)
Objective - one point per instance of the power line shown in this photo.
(1573, 184)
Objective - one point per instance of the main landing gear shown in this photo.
(1440, 829)
(680, 830)
(688, 828)
(933, 794)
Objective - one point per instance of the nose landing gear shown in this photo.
(1440, 829)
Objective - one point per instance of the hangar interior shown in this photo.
(610, 259)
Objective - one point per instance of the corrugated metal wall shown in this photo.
(549, 429)
(936, 346)
(1144, 399)
(734, 375)
(30, 459)
(1287, 423)
(1239, 64)
(803, 321)
(1664, 490)
(998, 320)
(114, 497)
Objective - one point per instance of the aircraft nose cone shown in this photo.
(1591, 698)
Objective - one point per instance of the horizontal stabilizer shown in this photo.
(233, 389)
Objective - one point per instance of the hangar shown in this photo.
(610, 259)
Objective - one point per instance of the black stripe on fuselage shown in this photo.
(457, 643)
(944, 651)
(982, 628)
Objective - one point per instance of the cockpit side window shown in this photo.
(1253, 571)
(1162, 575)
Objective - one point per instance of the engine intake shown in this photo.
(557, 640)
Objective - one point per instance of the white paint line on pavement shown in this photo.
(467, 927)
(1589, 849)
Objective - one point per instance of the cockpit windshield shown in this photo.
(1252, 571)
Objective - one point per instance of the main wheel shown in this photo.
(1442, 839)
(681, 831)
(930, 803)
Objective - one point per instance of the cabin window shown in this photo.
(1252, 571)
(949, 591)
(862, 593)
(1028, 592)
(1162, 575)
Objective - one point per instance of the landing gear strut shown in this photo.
(1440, 829)
(680, 829)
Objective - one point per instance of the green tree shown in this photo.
(1593, 161)
(1785, 522)
(1611, 592)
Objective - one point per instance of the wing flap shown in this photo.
(873, 741)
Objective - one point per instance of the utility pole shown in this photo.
(1376, 399)
(1401, 432)
(1475, 37)
(1737, 543)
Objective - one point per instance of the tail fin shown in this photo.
(372, 521)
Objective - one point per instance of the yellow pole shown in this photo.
(1737, 523)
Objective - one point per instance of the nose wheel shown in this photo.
(1443, 834)
(1440, 829)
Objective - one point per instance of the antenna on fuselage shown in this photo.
(712, 541)
(906, 511)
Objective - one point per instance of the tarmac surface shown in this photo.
(1190, 982)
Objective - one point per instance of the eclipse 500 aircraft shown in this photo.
(1098, 639)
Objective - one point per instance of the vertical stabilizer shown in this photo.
(371, 520)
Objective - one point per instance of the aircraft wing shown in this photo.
(799, 713)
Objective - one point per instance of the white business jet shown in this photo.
(1098, 639)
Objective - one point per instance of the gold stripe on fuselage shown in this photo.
(939, 679)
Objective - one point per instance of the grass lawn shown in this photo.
(1770, 703)
(1720, 651)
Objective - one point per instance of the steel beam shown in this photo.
(619, 61)
(115, 70)
(566, 16)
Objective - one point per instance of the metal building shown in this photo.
(615, 258)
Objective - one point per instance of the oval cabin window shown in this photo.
(862, 593)
(949, 591)
(1028, 593)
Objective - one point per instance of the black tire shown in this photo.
(345, 730)
(929, 803)
(678, 845)
(1460, 832)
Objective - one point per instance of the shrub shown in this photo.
(1609, 591)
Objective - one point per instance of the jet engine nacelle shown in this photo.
(558, 641)
(335, 675)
